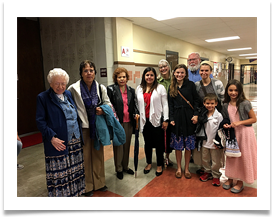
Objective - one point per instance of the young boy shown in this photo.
(212, 156)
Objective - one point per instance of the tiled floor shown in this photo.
(31, 181)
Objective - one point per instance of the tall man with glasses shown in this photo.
(193, 64)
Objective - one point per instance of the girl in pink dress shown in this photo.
(239, 111)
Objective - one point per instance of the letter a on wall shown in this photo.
(125, 51)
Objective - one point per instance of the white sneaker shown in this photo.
(20, 166)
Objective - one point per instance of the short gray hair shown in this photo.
(161, 62)
(196, 53)
(57, 72)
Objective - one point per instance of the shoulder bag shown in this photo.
(185, 100)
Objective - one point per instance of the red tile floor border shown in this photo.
(167, 185)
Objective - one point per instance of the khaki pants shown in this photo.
(121, 152)
(94, 163)
(212, 161)
(197, 157)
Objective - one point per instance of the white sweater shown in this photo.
(158, 106)
(76, 94)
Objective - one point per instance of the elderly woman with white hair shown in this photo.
(58, 121)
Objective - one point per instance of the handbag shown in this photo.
(185, 100)
(232, 146)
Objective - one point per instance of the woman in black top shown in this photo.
(122, 98)
(182, 116)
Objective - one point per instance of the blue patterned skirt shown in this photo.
(65, 173)
(182, 142)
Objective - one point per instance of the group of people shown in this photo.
(169, 110)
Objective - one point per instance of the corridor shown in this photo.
(31, 180)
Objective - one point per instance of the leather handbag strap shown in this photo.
(185, 100)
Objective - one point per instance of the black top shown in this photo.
(180, 112)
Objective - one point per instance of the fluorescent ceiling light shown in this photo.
(251, 57)
(246, 48)
(223, 39)
(242, 55)
(162, 18)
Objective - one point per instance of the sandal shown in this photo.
(188, 175)
(178, 174)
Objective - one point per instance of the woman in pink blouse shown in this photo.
(122, 98)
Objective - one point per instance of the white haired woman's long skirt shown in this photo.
(65, 173)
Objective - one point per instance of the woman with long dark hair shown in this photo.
(183, 116)
(152, 104)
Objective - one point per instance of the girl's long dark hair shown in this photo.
(241, 95)
(144, 83)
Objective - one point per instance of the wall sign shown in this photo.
(125, 51)
(103, 72)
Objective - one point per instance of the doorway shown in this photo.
(172, 58)
(248, 73)
(230, 71)
(30, 73)
(242, 74)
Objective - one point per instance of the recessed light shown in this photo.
(162, 18)
(246, 48)
(242, 55)
(251, 57)
(223, 39)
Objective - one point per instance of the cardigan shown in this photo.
(76, 94)
(51, 121)
(217, 86)
(243, 110)
(158, 106)
(116, 99)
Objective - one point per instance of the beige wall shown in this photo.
(148, 47)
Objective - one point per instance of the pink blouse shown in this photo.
(125, 102)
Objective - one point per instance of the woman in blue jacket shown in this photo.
(58, 121)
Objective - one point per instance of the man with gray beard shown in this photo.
(193, 64)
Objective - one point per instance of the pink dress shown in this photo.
(244, 167)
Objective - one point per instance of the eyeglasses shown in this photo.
(189, 60)
(88, 70)
(162, 66)
(58, 84)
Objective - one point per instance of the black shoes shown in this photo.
(88, 194)
(103, 188)
(129, 171)
(157, 173)
(120, 175)
(147, 171)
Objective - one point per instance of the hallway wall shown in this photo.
(148, 47)
(65, 43)
(68, 41)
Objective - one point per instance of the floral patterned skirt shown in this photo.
(182, 142)
(65, 173)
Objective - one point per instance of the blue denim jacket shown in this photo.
(71, 117)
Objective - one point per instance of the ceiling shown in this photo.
(196, 30)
